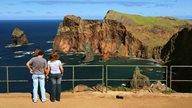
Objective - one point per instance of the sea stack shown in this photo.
(19, 37)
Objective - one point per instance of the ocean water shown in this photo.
(40, 34)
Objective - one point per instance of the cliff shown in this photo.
(153, 32)
(118, 34)
(106, 37)
(178, 49)
(19, 37)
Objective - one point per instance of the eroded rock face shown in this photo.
(19, 37)
(178, 49)
(107, 37)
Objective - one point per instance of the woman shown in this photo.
(56, 69)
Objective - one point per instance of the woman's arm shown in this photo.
(61, 68)
(47, 70)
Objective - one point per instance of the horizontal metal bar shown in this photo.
(14, 80)
(181, 80)
(180, 66)
(12, 66)
(88, 65)
(129, 80)
(63, 66)
(119, 79)
(133, 66)
(87, 79)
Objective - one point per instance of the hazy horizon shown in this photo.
(92, 9)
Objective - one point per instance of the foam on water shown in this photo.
(49, 42)
(28, 53)
(49, 50)
(18, 52)
(19, 56)
(12, 46)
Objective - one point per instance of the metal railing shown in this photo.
(105, 74)
(73, 79)
(178, 80)
(133, 66)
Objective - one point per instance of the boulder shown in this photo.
(139, 81)
(82, 88)
(19, 37)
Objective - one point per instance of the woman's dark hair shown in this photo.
(54, 56)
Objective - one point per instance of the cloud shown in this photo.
(15, 12)
(108, 2)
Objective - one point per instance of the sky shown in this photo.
(91, 9)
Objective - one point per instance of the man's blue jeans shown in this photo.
(36, 80)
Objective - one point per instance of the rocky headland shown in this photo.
(119, 34)
(19, 37)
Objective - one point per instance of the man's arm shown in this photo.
(29, 67)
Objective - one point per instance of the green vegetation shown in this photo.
(146, 21)
(151, 31)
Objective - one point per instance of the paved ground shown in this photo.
(99, 100)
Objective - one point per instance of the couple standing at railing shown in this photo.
(40, 69)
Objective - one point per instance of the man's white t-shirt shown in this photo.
(54, 65)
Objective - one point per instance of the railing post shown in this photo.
(7, 74)
(73, 77)
(166, 77)
(102, 78)
(106, 77)
(170, 77)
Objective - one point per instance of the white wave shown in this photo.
(19, 56)
(12, 46)
(49, 42)
(18, 52)
(71, 58)
(135, 58)
(72, 53)
(79, 52)
(49, 50)
(30, 43)
(158, 71)
(28, 53)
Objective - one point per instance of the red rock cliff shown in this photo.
(107, 36)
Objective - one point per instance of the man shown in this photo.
(36, 66)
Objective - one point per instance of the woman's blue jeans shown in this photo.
(38, 79)
(56, 87)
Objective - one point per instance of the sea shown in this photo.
(41, 34)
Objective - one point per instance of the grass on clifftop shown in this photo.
(146, 21)
(151, 31)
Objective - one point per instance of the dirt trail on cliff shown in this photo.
(99, 100)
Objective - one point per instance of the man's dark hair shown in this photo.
(40, 53)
